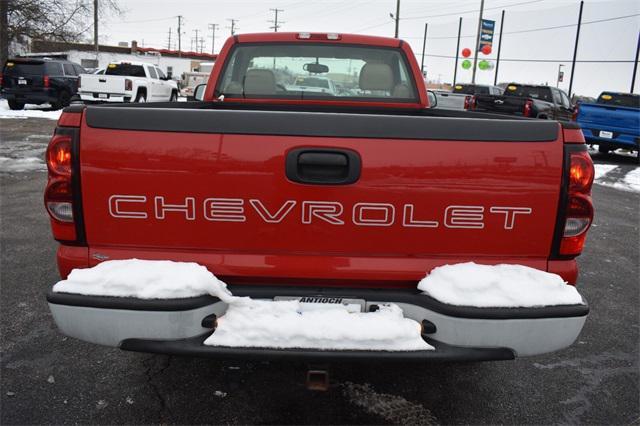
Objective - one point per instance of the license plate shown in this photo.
(22, 81)
(605, 134)
(103, 96)
(315, 302)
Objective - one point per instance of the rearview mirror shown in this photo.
(198, 93)
(316, 68)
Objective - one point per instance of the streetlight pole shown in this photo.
(475, 53)
(398, 18)
(424, 45)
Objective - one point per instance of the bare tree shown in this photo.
(57, 20)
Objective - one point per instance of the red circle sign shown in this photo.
(486, 49)
(466, 52)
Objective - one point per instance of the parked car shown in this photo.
(310, 84)
(126, 81)
(460, 97)
(299, 194)
(39, 81)
(190, 80)
(527, 100)
(612, 122)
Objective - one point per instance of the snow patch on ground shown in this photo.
(145, 279)
(286, 324)
(470, 284)
(602, 169)
(29, 164)
(29, 111)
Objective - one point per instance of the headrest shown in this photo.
(376, 76)
(259, 82)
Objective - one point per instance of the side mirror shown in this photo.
(198, 92)
(433, 100)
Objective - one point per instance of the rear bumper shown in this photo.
(620, 139)
(91, 97)
(36, 97)
(460, 333)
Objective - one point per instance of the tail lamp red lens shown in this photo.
(467, 102)
(45, 81)
(59, 155)
(1, 80)
(579, 210)
(576, 111)
(128, 84)
(59, 200)
(528, 108)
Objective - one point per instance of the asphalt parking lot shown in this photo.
(48, 378)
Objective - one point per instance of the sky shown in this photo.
(615, 38)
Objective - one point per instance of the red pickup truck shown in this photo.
(354, 192)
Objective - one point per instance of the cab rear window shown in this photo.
(533, 92)
(620, 99)
(23, 68)
(125, 69)
(318, 71)
(470, 89)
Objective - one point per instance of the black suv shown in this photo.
(38, 81)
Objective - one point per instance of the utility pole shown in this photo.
(233, 26)
(196, 31)
(635, 65)
(202, 41)
(455, 68)
(213, 28)
(495, 78)
(397, 18)
(95, 27)
(275, 19)
(475, 53)
(169, 42)
(575, 49)
(424, 45)
(179, 35)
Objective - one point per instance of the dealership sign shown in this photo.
(486, 34)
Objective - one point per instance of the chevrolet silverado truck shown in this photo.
(126, 81)
(460, 97)
(612, 122)
(304, 194)
(526, 100)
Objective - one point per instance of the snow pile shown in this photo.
(287, 324)
(629, 182)
(600, 170)
(145, 279)
(470, 284)
(29, 111)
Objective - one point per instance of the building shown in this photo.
(172, 62)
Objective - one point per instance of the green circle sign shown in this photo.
(466, 64)
(483, 65)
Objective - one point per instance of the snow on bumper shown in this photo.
(175, 326)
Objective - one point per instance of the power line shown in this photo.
(147, 20)
(615, 18)
(471, 11)
(595, 61)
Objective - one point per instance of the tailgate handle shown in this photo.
(323, 166)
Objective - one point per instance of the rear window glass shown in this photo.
(533, 92)
(53, 68)
(470, 89)
(317, 71)
(125, 69)
(620, 99)
(22, 68)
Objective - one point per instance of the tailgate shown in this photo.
(502, 104)
(601, 116)
(213, 186)
(99, 83)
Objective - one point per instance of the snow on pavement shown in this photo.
(629, 182)
(470, 284)
(29, 111)
(286, 324)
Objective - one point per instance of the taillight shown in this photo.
(59, 155)
(576, 110)
(467, 102)
(58, 196)
(0, 80)
(579, 207)
(128, 84)
(45, 81)
(528, 108)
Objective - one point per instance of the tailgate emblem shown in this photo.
(498, 101)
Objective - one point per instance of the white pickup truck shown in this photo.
(128, 82)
